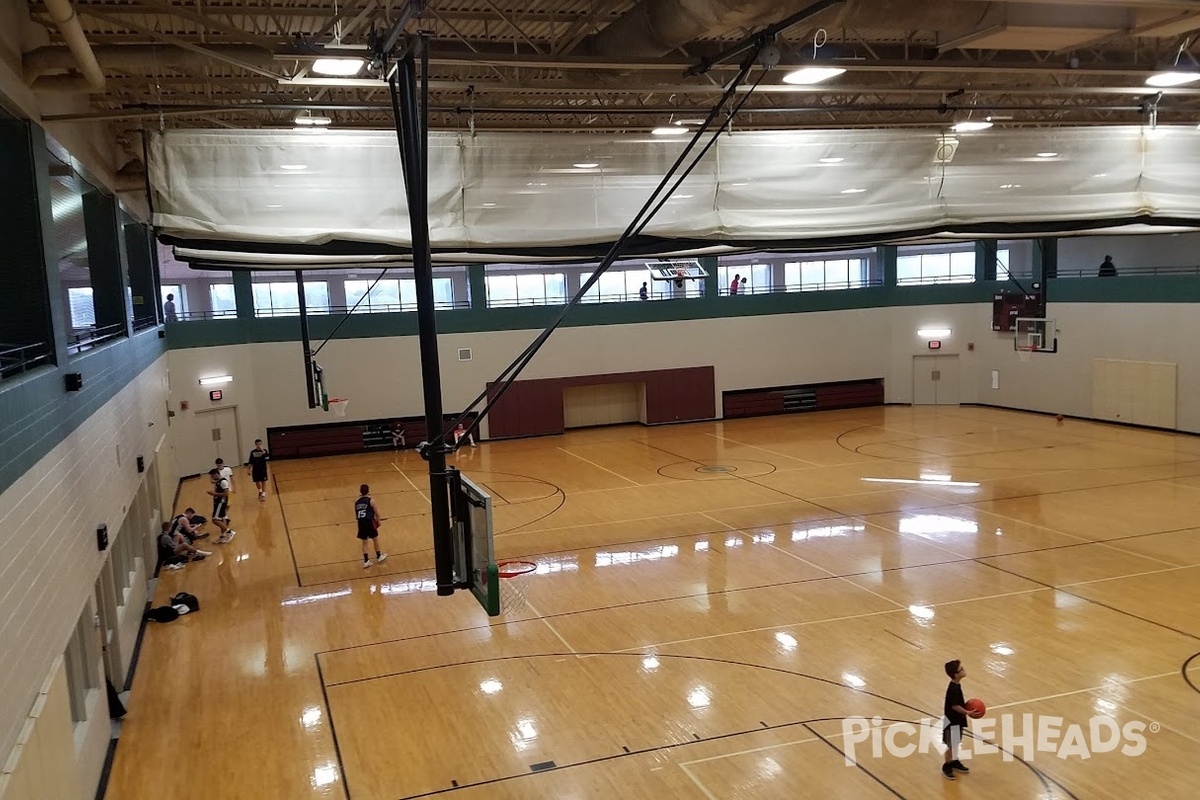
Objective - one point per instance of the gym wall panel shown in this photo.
(48, 519)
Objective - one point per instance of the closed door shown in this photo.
(219, 438)
(935, 380)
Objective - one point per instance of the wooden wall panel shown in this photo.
(535, 407)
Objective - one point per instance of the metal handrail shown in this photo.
(87, 338)
(16, 359)
(1127, 272)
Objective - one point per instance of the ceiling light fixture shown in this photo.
(831, 160)
(853, 191)
(338, 67)
(586, 165)
(933, 333)
(1047, 154)
(294, 167)
(1177, 74)
(971, 125)
(669, 130)
(216, 380)
(307, 118)
(807, 76)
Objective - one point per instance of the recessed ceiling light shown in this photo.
(274, 205)
(1100, 175)
(489, 205)
(669, 130)
(586, 165)
(806, 76)
(1010, 186)
(853, 191)
(294, 167)
(689, 122)
(831, 160)
(1047, 154)
(338, 67)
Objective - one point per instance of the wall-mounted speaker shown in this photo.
(102, 538)
(141, 461)
(73, 381)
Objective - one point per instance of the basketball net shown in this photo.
(338, 405)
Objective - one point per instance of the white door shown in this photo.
(925, 376)
(935, 380)
(219, 438)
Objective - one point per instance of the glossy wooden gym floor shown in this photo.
(711, 600)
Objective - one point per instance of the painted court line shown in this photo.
(1083, 691)
(835, 575)
(703, 789)
(597, 466)
(410, 480)
(547, 623)
(749, 750)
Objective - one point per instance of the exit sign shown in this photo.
(933, 345)
(215, 394)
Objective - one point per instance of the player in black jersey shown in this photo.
(257, 467)
(220, 512)
(366, 515)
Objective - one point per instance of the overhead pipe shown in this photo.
(132, 57)
(64, 16)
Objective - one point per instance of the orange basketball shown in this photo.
(976, 706)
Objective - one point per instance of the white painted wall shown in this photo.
(48, 520)
(382, 376)
(1062, 383)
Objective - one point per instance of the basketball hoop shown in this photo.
(512, 598)
(338, 405)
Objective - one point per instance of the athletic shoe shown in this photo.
(203, 553)
(200, 536)
(175, 566)
(958, 765)
(947, 772)
(379, 559)
(230, 534)
(262, 495)
(367, 564)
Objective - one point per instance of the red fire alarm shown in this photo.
(935, 345)
(215, 394)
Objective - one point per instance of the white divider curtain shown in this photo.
(495, 191)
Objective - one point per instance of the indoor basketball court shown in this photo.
(707, 604)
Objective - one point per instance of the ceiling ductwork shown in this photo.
(653, 28)
(137, 58)
(78, 51)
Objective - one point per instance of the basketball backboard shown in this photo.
(1035, 335)
(474, 551)
(676, 269)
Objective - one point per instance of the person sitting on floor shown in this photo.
(174, 550)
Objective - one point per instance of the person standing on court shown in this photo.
(366, 515)
(220, 512)
(256, 466)
(954, 719)
(226, 472)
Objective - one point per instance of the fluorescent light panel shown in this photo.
(806, 76)
(216, 380)
(933, 333)
(338, 67)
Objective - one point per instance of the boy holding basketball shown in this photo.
(954, 719)
(366, 514)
